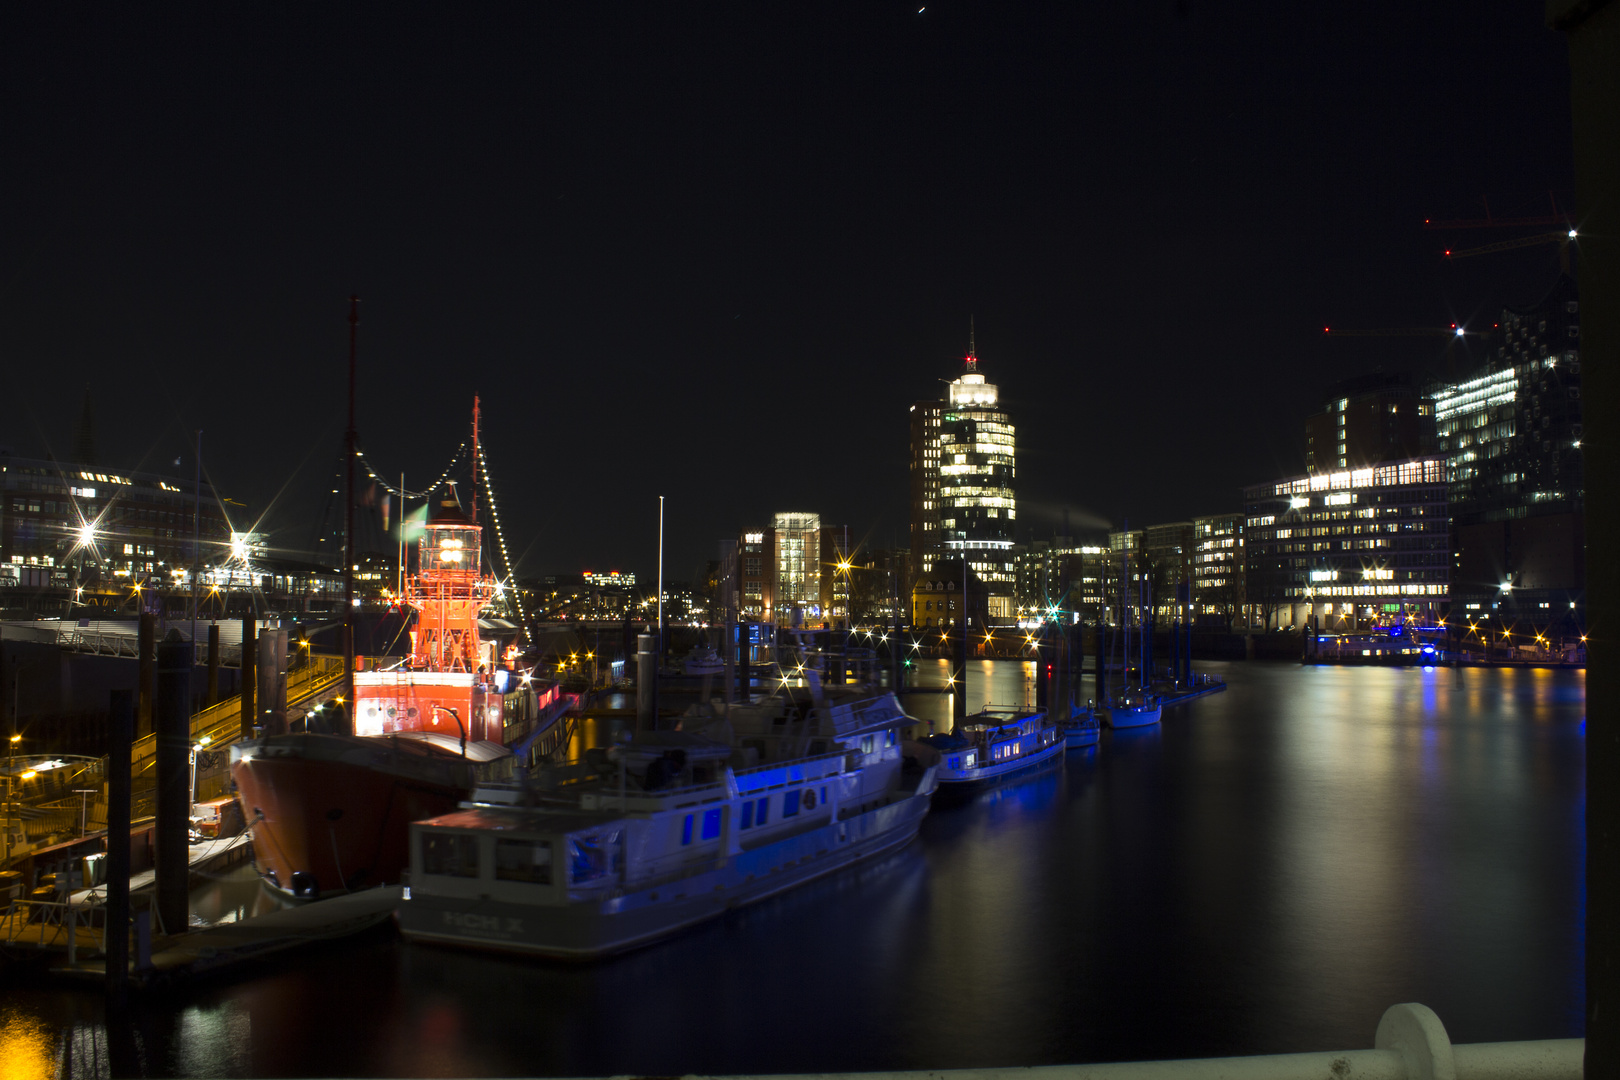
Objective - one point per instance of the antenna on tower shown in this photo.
(973, 354)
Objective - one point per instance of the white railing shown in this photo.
(64, 917)
(1411, 1044)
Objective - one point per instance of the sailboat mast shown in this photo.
(1125, 607)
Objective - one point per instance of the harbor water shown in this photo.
(1265, 872)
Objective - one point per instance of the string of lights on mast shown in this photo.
(482, 465)
(398, 493)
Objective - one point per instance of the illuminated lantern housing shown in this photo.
(448, 682)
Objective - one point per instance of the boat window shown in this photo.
(523, 860)
(450, 854)
(954, 763)
(867, 743)
(747, 814)
(686, 830)
(593, 855)
(711, 823)
(889, 737)
(764, 810)
(790, 802)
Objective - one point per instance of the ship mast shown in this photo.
(350, 439)
(476, 462)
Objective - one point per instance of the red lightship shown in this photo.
(329, 812)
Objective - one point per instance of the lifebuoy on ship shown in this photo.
(809, 799)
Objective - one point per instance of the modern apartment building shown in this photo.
(1378, 417)
(1218, 568)
(1354, 548)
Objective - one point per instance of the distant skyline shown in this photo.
(716, 254)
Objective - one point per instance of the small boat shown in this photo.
(1134, 709)
(995, 744)
(1081, 728)
(671, 828)
(703, 660)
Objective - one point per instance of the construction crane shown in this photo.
(1562, 239)
(1411, 331)
(1453, 334)
(1488, 222)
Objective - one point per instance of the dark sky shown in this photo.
(714, 251)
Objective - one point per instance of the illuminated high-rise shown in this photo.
(963, 470)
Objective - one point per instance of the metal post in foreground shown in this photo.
(1593, 32)
(647, 682)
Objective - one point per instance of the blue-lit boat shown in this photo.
(1134, 708)
(669, 829)
(995, 744)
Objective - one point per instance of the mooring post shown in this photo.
(647, 682)
(121, 733)
(213, 663)
(146, 652)
(173, 780)
(249, 676)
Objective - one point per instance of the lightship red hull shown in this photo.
(330, 813)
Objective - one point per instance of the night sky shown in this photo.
(714, 251)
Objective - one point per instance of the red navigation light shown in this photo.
(1448, 253)
(1326, 330)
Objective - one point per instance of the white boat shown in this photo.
(1081, 728)
(669, 829)
(995, 744)
(703, 660)
(1134, 709)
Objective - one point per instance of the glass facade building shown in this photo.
(1356, 548)
(977, 468)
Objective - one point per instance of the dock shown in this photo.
(66, 940)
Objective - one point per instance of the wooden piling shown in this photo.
(213, 663)
(173, 717)
(146, 650)
(121, 732)
(250, 676)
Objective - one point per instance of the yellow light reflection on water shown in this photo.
(27, 1048)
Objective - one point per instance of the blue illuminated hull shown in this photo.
(1129, 716)
(955, 779)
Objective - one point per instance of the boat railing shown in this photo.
(582, 785)
(47, 923)
(809, 768)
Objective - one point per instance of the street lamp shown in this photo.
(11, 782)
(196, 746)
